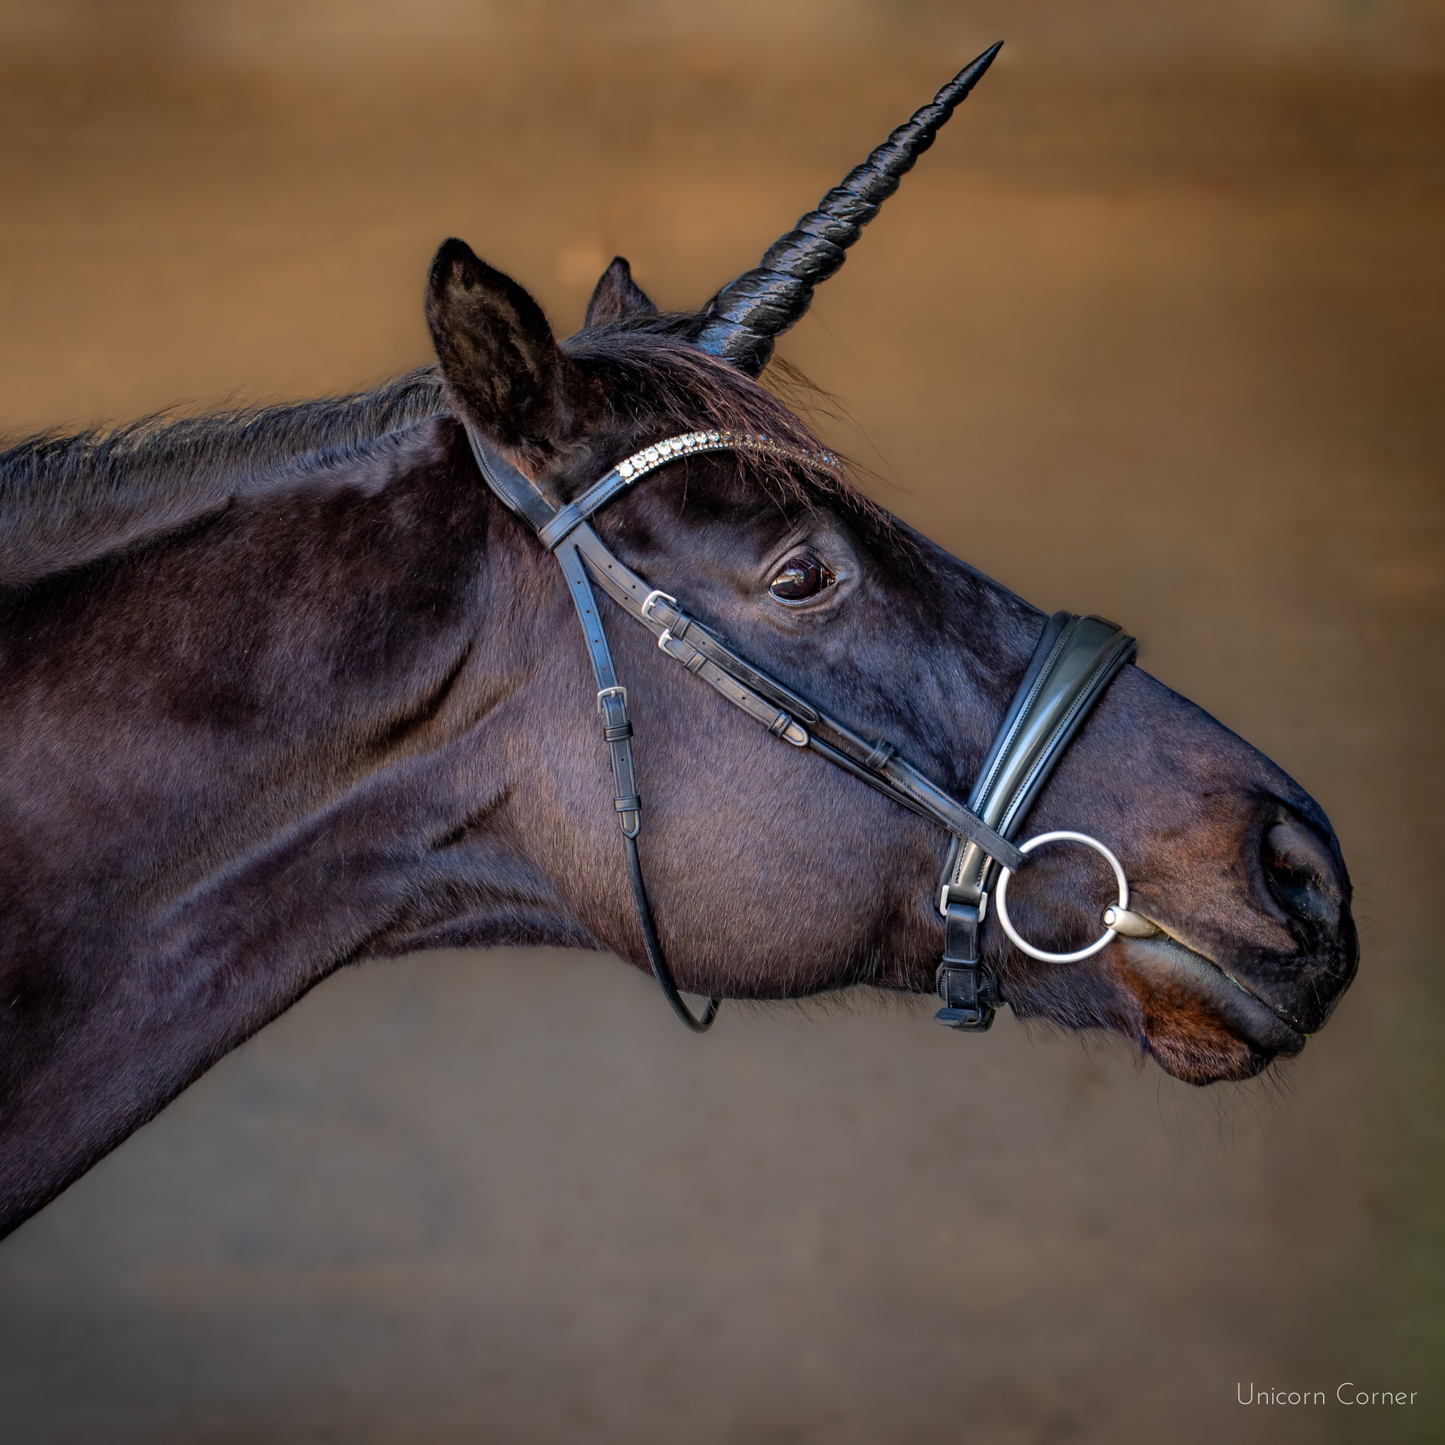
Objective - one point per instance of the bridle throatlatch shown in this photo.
(1074, 662)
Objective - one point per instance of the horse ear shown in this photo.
(617, 296)
(499, 359)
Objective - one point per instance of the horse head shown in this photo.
(1243, 940)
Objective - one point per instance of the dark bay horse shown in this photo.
(288, 689)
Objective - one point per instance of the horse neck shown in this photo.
(229, 767)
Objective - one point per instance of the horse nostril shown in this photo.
(1301, 873)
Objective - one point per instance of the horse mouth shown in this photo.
(1200, 1022)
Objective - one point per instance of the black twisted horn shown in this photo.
(740, 322)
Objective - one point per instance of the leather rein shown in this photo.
(1075, 660)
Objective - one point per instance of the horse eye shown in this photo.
(801, 578)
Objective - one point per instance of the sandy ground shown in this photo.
(1156, 330)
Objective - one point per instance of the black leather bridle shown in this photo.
(1075, 660)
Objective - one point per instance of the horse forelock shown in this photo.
(657, 382)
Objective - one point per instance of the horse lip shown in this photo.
(1169, 933)
(1259, 1022)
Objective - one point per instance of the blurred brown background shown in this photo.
(1155, 330)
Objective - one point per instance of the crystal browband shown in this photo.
(639, 464)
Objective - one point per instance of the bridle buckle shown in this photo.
(982, 904)
(656, 595)
(607, 692)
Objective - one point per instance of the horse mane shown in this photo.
(66, 501)
(69, 500)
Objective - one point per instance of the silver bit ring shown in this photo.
(1000, 898)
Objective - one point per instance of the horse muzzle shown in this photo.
(1208, 1015)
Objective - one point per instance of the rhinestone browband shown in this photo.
(639, 464)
